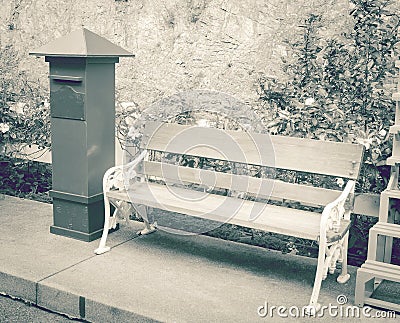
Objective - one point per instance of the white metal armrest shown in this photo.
(337, 205)
(113, 172)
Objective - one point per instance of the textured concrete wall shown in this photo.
(221, 45)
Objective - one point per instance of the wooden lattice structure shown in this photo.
(378, 267)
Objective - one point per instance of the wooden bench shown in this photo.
(154, 183)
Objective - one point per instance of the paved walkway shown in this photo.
(160, 277)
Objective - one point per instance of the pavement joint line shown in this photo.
(130, 239)
(64, 269)
(79, 262)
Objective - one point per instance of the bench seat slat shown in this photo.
(299, 223)
(298, 154)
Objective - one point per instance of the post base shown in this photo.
(78, 235)
(77, 217)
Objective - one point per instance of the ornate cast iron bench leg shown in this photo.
(115, 177)
(102, 246)
(331, 253)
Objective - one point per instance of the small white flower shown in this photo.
(46, 103)
(382, 133)
(309, 101)
(340, 182)
(4, 127)
(135, 115)
(18, 108)
(130, 121)
(133, 133)
(126, 105)
(366, 142)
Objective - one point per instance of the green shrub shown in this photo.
(339, 87)
(24, 117)
(24, 121)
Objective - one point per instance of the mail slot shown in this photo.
(67, 97)
(67, 89)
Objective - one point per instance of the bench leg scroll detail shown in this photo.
(344, 275)
(149, 228)
(141, 210)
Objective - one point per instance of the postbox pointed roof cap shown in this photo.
(81, 43)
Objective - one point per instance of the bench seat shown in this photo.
(271, 218)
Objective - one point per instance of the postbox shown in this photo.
(82, 103)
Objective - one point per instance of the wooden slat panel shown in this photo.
(302, 224)
(262, 188)
(321, 157)
(381, 303)
(367, 204)
(382, 267)
(299, 154)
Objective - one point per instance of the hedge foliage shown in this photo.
(339, 87)
(24, 121)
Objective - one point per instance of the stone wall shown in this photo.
(222, 45)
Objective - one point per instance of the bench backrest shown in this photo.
(298, 154)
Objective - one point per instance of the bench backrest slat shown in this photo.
(260, 187)
(298, 154)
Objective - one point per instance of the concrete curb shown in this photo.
(66, 303)
(18, 287)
